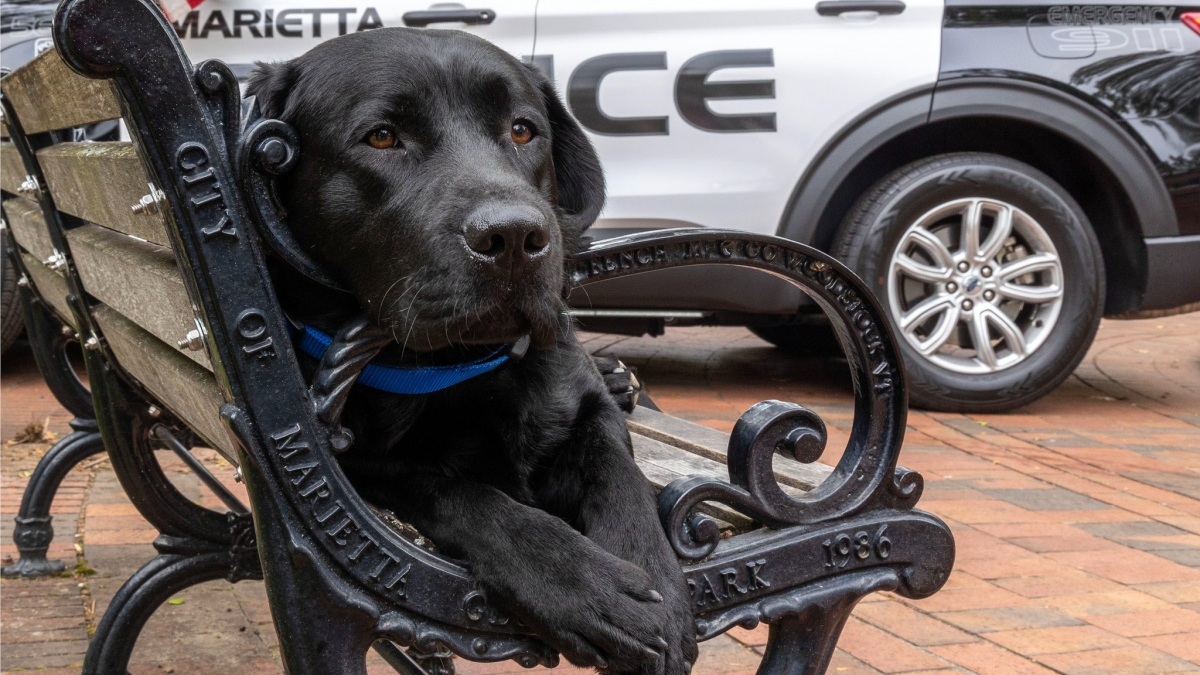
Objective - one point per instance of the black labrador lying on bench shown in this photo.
(444, 182)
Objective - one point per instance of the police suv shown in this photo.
(1002, 172)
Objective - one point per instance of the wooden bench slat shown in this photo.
(713, 444)
(138, 279)
(100, 182)
(180, 384)
(50, 286)
(24, 218)
(12, 169)
(47, 95)
(661, 464)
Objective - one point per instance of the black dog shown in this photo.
(444, 182)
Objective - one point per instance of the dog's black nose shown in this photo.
(509, 239)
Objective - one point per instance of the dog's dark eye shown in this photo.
(382, 138)
(522, 132)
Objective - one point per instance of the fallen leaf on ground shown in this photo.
(32, 433)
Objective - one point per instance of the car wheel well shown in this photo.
(1080, 173)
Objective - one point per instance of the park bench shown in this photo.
(150, 254)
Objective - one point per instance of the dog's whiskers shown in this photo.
(383, 300)
(400, 297)
(384, 310)
(407, 313)
(392, 320)
(450, 320)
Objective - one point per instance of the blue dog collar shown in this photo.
(401, 380)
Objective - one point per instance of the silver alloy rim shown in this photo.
(975, 285)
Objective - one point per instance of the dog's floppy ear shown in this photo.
(577, 169)
(270, 84)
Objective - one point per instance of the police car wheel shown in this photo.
(990, 272)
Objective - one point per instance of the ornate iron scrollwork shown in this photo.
(352, 348)
(268, 149)
(217, 80)
(866, 475)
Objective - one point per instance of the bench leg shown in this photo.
(803, 644)
(48, 339)
(136, 601)
(34, 532)
(323, 625)
(806, 624)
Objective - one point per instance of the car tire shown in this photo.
(11, 323)
(986, 326)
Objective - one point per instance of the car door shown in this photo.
(708, 112)
(241, 32)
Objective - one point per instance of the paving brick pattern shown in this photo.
(1077, 521)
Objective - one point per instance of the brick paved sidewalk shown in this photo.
(1077, 521)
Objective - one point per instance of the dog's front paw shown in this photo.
(680, 632)
(620, 381)
(679, 627)
(595, 608)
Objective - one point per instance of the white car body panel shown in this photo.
(827, 70)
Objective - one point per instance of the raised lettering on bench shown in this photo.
(252, 329)
(203, 190)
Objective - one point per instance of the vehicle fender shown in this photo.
(1011, 98)
(1076, 119)
(854, 143)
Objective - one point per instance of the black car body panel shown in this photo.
(1138, 64)
(1122, 80)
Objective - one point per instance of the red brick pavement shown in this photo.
(1077, 521)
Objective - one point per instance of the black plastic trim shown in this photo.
(1173, 272)
(837, 7)
(710, 288)
(470, 17)
(1185, 195)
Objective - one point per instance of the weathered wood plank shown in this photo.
(661, 464)
(46, 95)
(24, 218)
(50, 286)
(100, 182)
(181, 385)
(12, 169)
(713, 444)
(138, 279)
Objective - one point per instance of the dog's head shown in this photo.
(441, 179)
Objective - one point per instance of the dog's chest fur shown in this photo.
(505, 428)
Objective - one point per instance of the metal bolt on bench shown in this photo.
(187, 260)
(149, 204)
